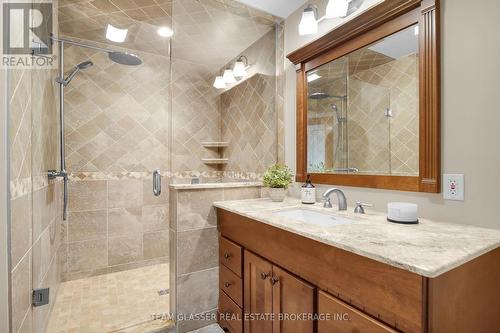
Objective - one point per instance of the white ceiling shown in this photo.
(280, 8)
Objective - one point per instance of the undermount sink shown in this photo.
(313, 217)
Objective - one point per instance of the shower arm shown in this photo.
(71, 42)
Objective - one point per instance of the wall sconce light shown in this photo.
(219, 83)
(337, 8)
(240, 67)
(308, 24)
(229, 76)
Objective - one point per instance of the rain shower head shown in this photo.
(80, 66)
(319, 95)
(124, 58)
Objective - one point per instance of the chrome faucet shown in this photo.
(340, 198)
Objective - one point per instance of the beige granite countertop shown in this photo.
(429, 248)
(189, 186)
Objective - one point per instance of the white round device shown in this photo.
(402, 212)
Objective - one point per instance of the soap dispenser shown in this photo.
(308, 192)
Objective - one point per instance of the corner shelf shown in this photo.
(215, 144)
(215, 160)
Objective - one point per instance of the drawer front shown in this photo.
(344, 318)
(230, 313)
(230, 255)
(231, 284)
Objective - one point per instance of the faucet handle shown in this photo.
(327, 203)
(360, 207)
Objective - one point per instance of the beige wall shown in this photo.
(470, 114)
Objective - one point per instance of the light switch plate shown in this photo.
(453, 187)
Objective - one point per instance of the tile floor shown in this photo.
(116, 302)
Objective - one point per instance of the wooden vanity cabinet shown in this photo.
(271, 291)
(285, 273)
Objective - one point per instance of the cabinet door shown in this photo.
(291, 297)
(258, 302)
(344, 318)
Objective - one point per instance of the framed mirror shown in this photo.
(368, 100)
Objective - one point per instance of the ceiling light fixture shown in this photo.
(115, 34)
(165, 32)
(229, 76)
(219, 83)
(312, 77)
(337, 8)
(308, 24)
(240, 67)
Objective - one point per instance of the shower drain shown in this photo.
(163, 292)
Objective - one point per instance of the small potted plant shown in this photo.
(277, 178)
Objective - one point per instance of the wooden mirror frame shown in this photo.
(374, 24)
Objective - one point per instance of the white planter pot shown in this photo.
(277, 194)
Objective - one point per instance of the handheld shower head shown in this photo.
(80, 66)
(85, 64)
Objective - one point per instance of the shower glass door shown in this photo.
(107, 264)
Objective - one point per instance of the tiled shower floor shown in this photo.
(115, 302)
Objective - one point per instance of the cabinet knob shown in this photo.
(227, 255)
(227, 284)
(274, 280)
(264, 275)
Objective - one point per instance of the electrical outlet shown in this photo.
(453, 187)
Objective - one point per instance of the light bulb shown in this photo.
(337, 8)
(116, 35)
(312, 77)
(239, 69)
(219, 83)
(229, 76)
(165, 32)
(308, 24)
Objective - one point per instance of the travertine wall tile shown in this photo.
(87, 255)
(197, 250)
(156, 244)
(21, 230)
(124, 221)
(196, 292)
(125, 249)
(124, 193)
(155, 218)
(87, 195)
(21, 291)
(87, 225)
(194, 209)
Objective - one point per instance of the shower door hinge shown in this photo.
(40, 297)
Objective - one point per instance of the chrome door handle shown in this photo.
(156, 183)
